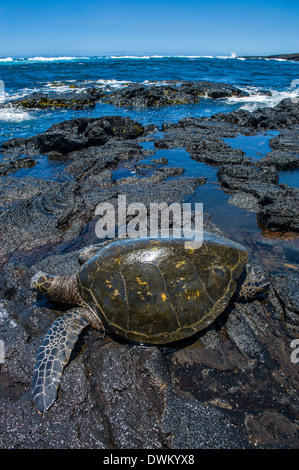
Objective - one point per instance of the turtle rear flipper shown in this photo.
(53, 355)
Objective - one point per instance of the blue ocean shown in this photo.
(22, 76)
(258, 77)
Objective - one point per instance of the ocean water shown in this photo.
(26, 75)
(21, 76)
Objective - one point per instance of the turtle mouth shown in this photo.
(34, 280)
(262, 285)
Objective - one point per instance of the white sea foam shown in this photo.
(195, 56)
(277, 59)
(41, 59)
(112, 83)
(233, 55)
(53, 59)
(20, 93)
(256, 99)
(62, 87)
(129, 57)
(179, 56)
(12, 114)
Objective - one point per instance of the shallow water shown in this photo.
(49, 168)
(254, 146)
(289, 177)
(278, 253)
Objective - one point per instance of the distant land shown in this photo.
(277, 56)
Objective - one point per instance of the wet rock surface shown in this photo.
(166, 95)
(135, 94)
(254, 185)
(280, 159)
(75, 134)
(287, 140)
(257, 190)
(280, 209)
(10, 166)
(294, 57)
(284, 114)
(220, 389)
(232, 385)
(72, 99)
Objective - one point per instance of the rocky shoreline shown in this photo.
(294, 57)
(232, 385)
(133, 94)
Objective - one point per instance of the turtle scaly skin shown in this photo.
(53, 355)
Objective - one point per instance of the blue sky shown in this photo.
(72, 27)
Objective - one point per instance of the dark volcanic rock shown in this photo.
(215, 150)
(77, 134)
(59, 214)
(113, 395)
(287, 140)
(165, 95)
(286, 299)
(200, 126)
(280, 209)
(16, 189)
(284, 114)
(78, 99)
(138, 95)
(248, 179)
(232, 385)
(10, 166)
(159, 161)
(257, 190)
(282, 56)
(280, 159)
(92, 160)
(270, 428)
(204, 141)
(277, 206)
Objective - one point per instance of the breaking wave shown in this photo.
(258, 99)
(12, 114)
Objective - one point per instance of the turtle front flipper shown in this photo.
(53, 355)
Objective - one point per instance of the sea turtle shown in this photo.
(146, 290)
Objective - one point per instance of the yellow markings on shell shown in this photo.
(193, 295)
(142, 283)
(179, 264)
(115, 294)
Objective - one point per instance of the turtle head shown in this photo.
(57, 288)
(41, 282)
(253, 285)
